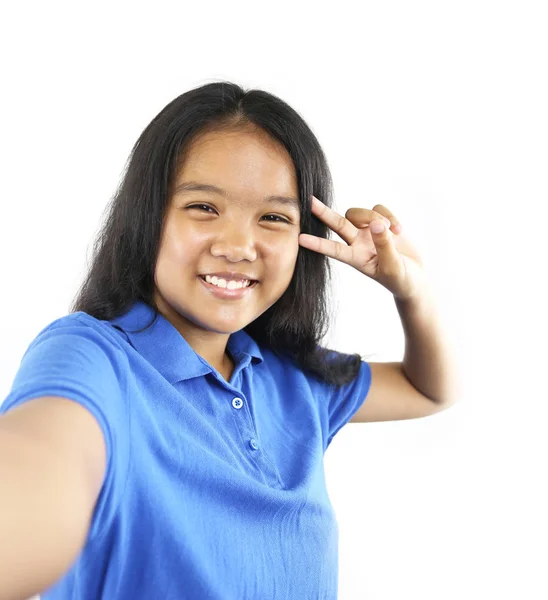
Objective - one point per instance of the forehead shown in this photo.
(244, 159)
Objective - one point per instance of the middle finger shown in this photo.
(342, 226)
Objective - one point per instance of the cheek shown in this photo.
(284, 259)
(285, 245)
(180, 244)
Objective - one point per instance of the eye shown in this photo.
(278, 219)
(200, 206)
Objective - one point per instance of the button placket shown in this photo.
(238, 404)
(262, 460)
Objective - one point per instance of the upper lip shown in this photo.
(230, 275)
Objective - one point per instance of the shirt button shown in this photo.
(237, 403)
(253, 444)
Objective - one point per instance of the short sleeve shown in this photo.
(344, 401)
(72, 359)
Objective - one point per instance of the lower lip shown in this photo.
(226, 293)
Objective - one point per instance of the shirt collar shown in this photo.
(168, 351)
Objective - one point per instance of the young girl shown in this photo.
(166, 438)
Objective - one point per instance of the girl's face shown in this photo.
(207, 232)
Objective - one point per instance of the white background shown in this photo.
(438, 111)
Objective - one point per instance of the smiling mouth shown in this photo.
(252, 280)
(253, 283)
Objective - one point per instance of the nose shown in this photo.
(235, 243)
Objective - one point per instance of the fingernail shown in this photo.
(377, 226)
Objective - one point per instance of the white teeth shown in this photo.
(222, 283)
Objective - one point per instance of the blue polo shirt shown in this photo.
(213, 489)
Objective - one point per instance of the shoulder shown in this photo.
(74, 347)
(79, 325)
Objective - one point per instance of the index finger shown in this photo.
(341, 226)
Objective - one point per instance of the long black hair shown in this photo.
(126, 249)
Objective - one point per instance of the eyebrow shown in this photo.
(193, 186)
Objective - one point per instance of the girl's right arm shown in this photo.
(52, 467)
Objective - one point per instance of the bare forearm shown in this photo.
(429, 362)
(34, 518)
